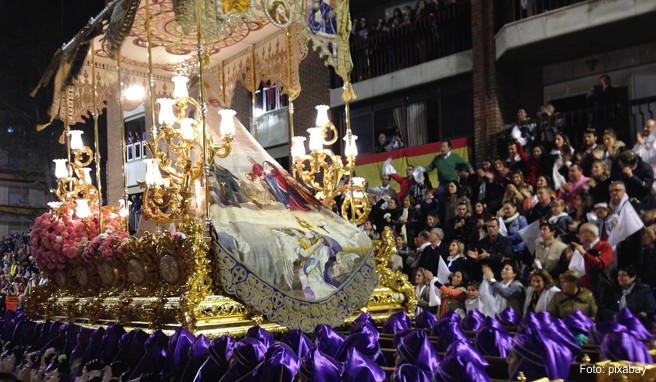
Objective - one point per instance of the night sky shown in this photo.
(32, 30)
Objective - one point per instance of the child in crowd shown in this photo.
(604, 219)
(560, 218)
(471, 303)
(428, 205)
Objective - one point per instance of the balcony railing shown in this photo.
(440, 34)
(508, 11)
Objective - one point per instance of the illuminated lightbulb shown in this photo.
(166, 116)
(82, 209)
(227, 126)
(350, 149)
(123, 210)
(54, 205)
(298, 147)
(316, 138)
(180, 87)
(187, 130)
(76, 139)
(322, 115)
(60, 168)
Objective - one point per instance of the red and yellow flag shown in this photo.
(370, 166)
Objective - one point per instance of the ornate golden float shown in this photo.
(180, 269)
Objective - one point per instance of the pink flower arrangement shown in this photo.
(57, 241)
(107, 245)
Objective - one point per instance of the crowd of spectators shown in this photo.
(544, 227)
(409, 36)
(19, 272)
(400, 16)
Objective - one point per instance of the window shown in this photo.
(18, 196)
(272, 116)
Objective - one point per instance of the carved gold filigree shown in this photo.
(141, 269)
(396, 281)
(199, 282)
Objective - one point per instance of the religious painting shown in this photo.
(279, 249)
(278, 12)
(321, 19)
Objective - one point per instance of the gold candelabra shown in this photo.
(167, 198)
(74, 183)
(323, 171)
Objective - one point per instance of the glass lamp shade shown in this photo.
(322, 115)
(123, 210)
(298, 147)
(82, 209)
(60, 168)
(76, 139)
(153, 176)
(350, 149)
(87, 175)
(180, 86)
(227, 126)
(187, 130)
(166, 116)
(316, 138)
(358, 182)
(157, 176)
(54, 205)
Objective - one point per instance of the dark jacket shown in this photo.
(430, 257)
(640, 302)
(639, 185)
(500, 249)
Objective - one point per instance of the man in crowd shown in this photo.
(430, 258)
(384, 189)
(445, 163)
(646, 142)
(574, 186)
(492, 250)
(541, 209)
(597, 256)
(585, 155)
(631, 294)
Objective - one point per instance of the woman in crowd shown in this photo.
(540, 292)
(454, 294)
(508, 291)
(514, 223)
(580, 213)
(391, 214)
(406, 224)
(599, 181)
(368, 228)
(480, 216)
(572, 297)
(519, 192)
(456, 195)
(457, 261)
(610, 151)
(497, 185)
(536, 163)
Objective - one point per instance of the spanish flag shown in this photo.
(370, 166)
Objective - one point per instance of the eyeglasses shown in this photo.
(616, 190)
